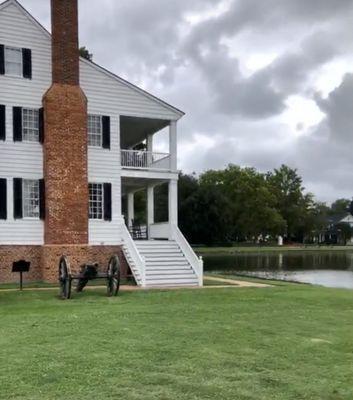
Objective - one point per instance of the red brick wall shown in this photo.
(9, 254)
(45, 259)
(65, 53)
(65, 165)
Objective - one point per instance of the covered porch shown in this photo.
(150, 206)
(137, 144)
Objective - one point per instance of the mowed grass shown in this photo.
(284, 342)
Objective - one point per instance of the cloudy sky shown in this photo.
(262, 82)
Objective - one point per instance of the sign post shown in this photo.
(21, 267)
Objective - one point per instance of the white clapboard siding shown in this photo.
(22, 160)
(105, 89)
(107, 95)
(104, 166)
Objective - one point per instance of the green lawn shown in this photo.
(285, 342)
(260, 249)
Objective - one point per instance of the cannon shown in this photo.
(88, 272)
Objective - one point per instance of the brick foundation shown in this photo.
(9, 254)
(45, 259)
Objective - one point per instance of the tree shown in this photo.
(291, 202)
(340, 206)
(252, 205)
(205, 216)
(85, 53)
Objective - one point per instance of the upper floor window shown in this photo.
(13, 61)
(95, 131)
(30, 124)
(31, 198)
(99, 131)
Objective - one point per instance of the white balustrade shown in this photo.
(145, 159)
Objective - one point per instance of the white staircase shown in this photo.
(165, 264)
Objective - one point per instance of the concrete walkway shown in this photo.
(236, 282)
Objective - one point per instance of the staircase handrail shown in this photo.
(134, 254)
(195, 261)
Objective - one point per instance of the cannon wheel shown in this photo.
(65, 278)
(113, 276)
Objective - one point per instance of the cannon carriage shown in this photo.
(87, 273)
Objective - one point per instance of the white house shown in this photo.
(120, 116)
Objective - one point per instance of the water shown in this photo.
(326, 268)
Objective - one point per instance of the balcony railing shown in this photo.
(144, 159)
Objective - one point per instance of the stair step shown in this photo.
(168, 265)
(171, 276)
(171, 285)
(168, 273)
(162, 255)
(167, 244)
(154, 272)
(165, 264)
(162, 242)
(159, 244)
(161, 251)
(175, 282)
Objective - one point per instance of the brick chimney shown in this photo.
(65, 140)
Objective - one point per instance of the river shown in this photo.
(330, 268)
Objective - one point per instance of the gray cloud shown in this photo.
(199, 67)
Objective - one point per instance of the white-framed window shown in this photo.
(13, 61)
(95, 130)
(31, 198)
(30, 125)
(96, 200)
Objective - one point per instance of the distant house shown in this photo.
(336, 233)
(68, 135)
(346, 218)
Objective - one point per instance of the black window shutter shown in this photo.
(17, 198)
(106, 132)
(41, 125)
(3, 199)
(107, 201)
(41, 199)
(27, 63)
(17, 124)
(2, 59)
(2, 122)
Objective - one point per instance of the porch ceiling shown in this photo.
(137, 184)
(134, 130)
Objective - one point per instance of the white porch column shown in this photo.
(130, 208)
(173, 145)
(173, 202)
(150, 207)
(149, 142)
